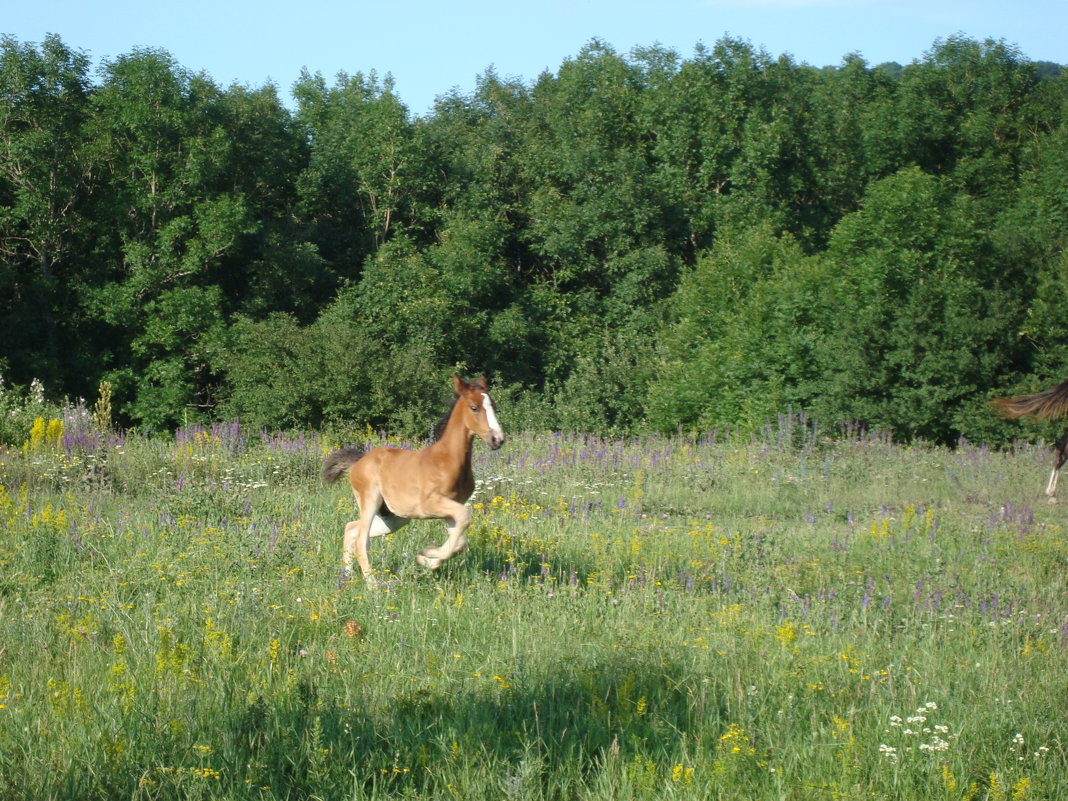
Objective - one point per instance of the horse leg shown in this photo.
(358, 536)
(457, 518)
(1060, 456)
(348, 548)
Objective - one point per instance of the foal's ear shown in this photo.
(458, 383)
(482, 383)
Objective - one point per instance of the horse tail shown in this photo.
(339, 462)
(1044, 405)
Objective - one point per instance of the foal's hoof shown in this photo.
(429, 562)
(1052, 499)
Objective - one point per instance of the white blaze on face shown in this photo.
(491, 415)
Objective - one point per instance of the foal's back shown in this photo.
(407, 480)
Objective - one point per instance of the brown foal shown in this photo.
(393, 485)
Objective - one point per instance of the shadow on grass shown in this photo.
(544, 738)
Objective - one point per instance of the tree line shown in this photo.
(636, 241)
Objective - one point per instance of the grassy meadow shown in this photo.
(784, 615)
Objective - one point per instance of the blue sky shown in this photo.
(431, 48)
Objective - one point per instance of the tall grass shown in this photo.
(787, 616)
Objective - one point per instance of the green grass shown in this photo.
(747, 618)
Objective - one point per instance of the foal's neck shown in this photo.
(456, 437)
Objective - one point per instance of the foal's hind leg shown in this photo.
(457, 518)
(378, 524)
(358, 535)
(355, 544)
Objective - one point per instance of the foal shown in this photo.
(393, 485)
(1049, 403)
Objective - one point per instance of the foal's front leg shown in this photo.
(457, 518)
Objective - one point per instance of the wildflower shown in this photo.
(996, 790)
(889, 752)
(786, 633)
(681, 773)
(353, 629)
(949, 781)
(936, 744)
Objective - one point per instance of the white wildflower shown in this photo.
(936, 744)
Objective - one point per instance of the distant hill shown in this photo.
(1046, 69)
(891, 68)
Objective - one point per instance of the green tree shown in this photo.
(961, 111)
(741, 344)
(360, 186)
(44, 182)
(276, 268)
(274, 375)
(1033, 235)
(918, 323)
(171, 219)
(593, 216)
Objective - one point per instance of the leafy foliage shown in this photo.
(636, 240)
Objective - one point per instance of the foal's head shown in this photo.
(477, 411)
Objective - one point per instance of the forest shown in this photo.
(637, 242)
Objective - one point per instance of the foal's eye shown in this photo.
(474, 408)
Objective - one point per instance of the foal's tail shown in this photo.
(1049, 403)
(338, 463)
